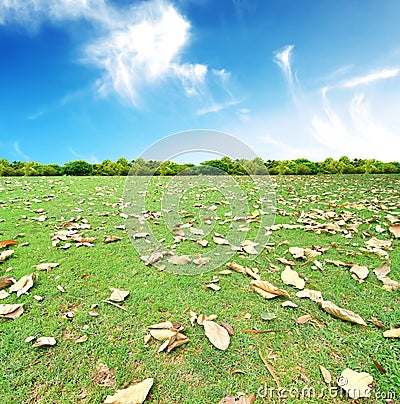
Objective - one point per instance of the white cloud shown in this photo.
(135, 46)
(91, 159)
(370, 78)
(19, 152)
(215, 107)
(283, 60)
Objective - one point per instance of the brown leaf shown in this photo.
(6, 243)
(84, 338)
(343, 314)
(118, 295)
(5, 255)
(166, 325)
(46, 266)
(110, 239)
(288, 303)
(240, 398)
(392, 333)
(381, 369)
(216, 334)
(11, 311)
(356, 384)
(23, 285)
(325, 374)
(314, 295)
(162, 334)
(297, 252)
(268, 290)
(249, 247)
(228, 328)
(44, 341)
(179, 259)
(395, 230)
(104, 377)
(221, 241)
(6, 282)
(360, 271)
(135, 394)
(303, 319)
(291, 277)
(381, 273)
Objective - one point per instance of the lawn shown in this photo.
(102, 347)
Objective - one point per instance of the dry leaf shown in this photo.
(179, 259)
(381, 273)
(268, 290)
(6, 282)
(6, 243)
(291, 277)
(288, 303)
(135, 394)
(118, 295)
(29, 339)
(196, 232)
(46, 266)
(201, 261)
(44, 341)
(6, 254)
(216, 334)
(81, 339)
(60, 288)
(240, 398)
(393, 333)
(23, 285)
(166, 325)
(360, 271)
(228, 328)
(3, 294)
(356, 384)
(297, 252)
(221, 241)
(214, 287)
(395, 230)
(162, 334)
(193, 317)
(343, 314)
(314, 295)
(249, 247)
(303, 319)
(110, 239)
(203, 243)
(11, 311)
(325, 374)
(104, 376)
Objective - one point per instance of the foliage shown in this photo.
(223, 166)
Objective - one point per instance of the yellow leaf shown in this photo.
(343, 314)
(356, 384)
(268, 290)
(118, 295)
(135, 394)
(291, 277)
(393, 333)
(216, 334)
(162, 334)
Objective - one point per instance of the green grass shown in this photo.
(195, 372)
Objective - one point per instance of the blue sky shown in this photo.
(103, 79)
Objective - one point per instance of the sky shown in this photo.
(104, 79)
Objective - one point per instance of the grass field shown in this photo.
(339, 212)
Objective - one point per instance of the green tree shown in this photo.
(78, 167)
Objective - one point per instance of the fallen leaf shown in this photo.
(104, 376)
(166, 325)
(193, 317)
(325, 374)
(216, 334)
(201, 261)
(228, 328)
(381, 369)
(60, 288)
(23, 285)
(6, 282)
(392, 333)
(111, 239)
(303, 319)
(268, 316)
(46, 266)
(395, 230)
(163, 334)
(360, 271)
(3, 294)
(221, 241)
(240, 398)
(268, 290)
(11, 311)
(343, 314)
(196, 232)
(44, 341)
(6, 254)
(356, 384)
(6, 243)
(291, 277)
(179, 259)
(249, 247)
(297, 252)
(214, 287)
(118, 295)
(314, 295)
(381, 273)
(135, 394)
(29, 339)
(288, 303)
(203, 243)
(81, 339)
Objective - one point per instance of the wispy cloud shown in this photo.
(91, 158)
(19, 152)
(283, 60)
(371, 77)
(217, 107)
(135, 46)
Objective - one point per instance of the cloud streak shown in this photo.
(370, 78)
(135, 47)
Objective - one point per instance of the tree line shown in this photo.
(225, 165)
